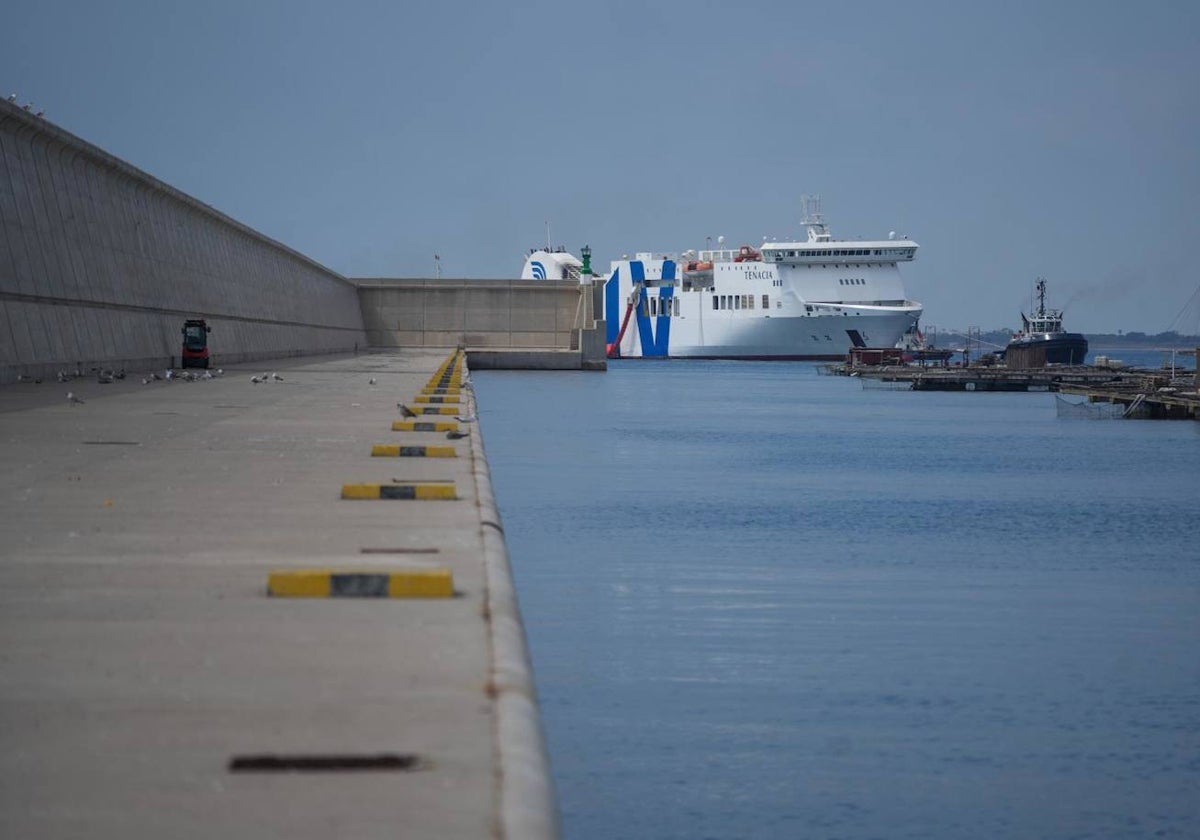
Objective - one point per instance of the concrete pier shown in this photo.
(985, 378)
(152, 688)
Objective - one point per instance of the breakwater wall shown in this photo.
(538, 324)
(100, 264)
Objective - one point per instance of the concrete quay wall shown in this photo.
(521, 324)
(100, 264)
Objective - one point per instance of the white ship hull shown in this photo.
(817, 338)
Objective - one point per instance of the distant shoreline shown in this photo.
(1151, 342)
(1144, 341)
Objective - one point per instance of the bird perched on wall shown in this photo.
(371, 381)
(276, 377)
(470, 418)
(453, 435)
(406, 411)
(255, 380)
(74, 399)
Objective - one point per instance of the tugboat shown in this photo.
(1042, 341)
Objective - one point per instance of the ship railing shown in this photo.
(725, 255)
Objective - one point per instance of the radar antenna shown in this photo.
(813, 220)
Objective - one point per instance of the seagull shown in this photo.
(406, 411)
(71, 396)
(255, 380)
(156, 377)
(62, 376)
(207, 375)
(12, 97)
(276, 377)
(170, 374)
(120, 374)
(104, 377)
(145, 381)
(470, 418)
(220, 371)
(457, 435)
(371, 381)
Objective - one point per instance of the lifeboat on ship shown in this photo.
(697, 274)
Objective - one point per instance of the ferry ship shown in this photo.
(811, 299)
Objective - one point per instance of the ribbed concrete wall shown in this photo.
(100, 264)
(477, 314)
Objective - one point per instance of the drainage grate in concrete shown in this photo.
(399, 550)
(323, 763)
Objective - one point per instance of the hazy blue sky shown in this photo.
(1010, 140)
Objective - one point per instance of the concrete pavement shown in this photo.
(140, 654)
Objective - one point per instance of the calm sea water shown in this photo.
(765, 603)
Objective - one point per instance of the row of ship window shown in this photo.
(852, 281)
(660, 306)
(654, 307)
(739, 302)
(849, 252)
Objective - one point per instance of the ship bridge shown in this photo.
(839, 253)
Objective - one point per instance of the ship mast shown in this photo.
(1041, 292)
(817, 231)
